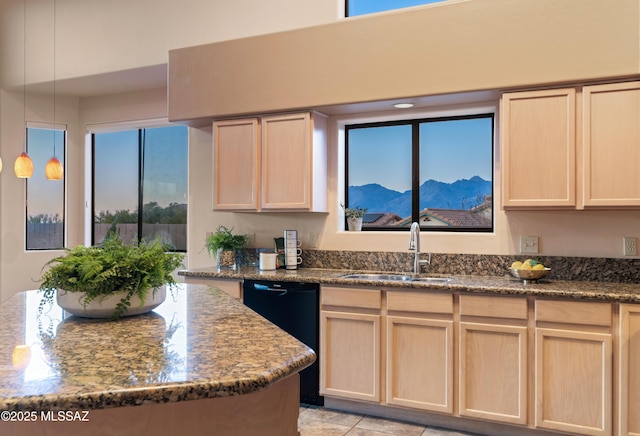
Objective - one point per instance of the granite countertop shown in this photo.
(505, 285)
(200, 343)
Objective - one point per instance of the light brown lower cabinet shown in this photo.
(574, 367)
(493, 377)
(493, 358)
(419, 370)
(629, 388)
(533, 363)
(350, 343)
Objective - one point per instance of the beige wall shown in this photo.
(20, 269)
(465, 45)
(98, 38)
(102, 47)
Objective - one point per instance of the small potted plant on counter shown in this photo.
(112, 279)
(354, 217)
(223, 244)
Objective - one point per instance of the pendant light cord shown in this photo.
(24, 77)
(54, 78)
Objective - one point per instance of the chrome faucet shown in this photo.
(414, 244)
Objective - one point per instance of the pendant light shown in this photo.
(53, 170)
(23, 165)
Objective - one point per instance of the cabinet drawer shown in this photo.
(493, 307)
(419, 302)
(363, 298)
(574, 312)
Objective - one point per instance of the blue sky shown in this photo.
(117, 169)
(453, 151)
(44, 196)
(361, 7)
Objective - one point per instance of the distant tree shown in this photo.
(175, 213)
(44, 218)
(119, 217)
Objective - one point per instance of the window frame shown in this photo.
(56, 127)
(92, 131)
(427, 2)
(415, 120)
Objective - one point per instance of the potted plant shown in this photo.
(112, 279)
(223, 244)
(354, 216)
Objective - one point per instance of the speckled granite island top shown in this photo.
(200, 343)
(506, 285)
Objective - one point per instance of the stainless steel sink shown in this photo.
(383, 277)
(396, 278)
(432, 279)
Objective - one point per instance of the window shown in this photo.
(140, 185)
(45, 198)
(438, 172)
(363, 7)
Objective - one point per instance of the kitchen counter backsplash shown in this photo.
(562, 268)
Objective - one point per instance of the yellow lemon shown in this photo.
(538, 266)
(516, 265)
(526, 266)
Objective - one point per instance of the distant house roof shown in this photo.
(458, 217)
(380, 218)
(478, 216)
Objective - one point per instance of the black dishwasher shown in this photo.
(294, 307)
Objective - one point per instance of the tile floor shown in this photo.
(318, 421)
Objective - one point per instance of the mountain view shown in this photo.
(461, 194)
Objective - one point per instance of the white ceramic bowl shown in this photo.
(72, 302)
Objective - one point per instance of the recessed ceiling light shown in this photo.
(403, 105)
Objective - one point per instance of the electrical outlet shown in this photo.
(528, 245)
(629, 246)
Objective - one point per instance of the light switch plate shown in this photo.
(528, 245)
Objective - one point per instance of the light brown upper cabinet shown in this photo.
(538, 148)
(611, 137)
(271, 163)
(546, 165)
(236, 163)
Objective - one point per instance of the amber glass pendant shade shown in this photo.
(54, 170)
(23, 166)
(21, 356)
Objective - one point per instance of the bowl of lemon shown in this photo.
(529, 271)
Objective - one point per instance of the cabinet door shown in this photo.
(286, 162)
(420, 363)
(611, 136)
(538, 148)
(629, 370)
(493, 372)
(236, 158)
(573, 381)
(350, 355)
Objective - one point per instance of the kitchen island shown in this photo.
(201, 362)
